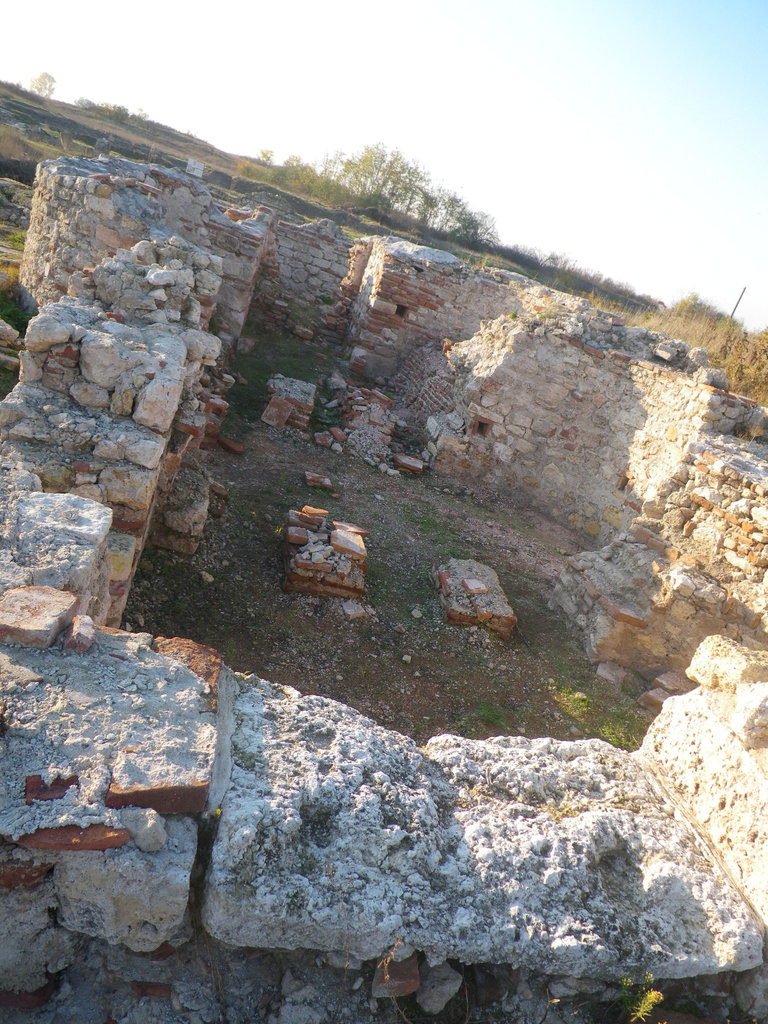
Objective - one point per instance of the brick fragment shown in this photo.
(316, 480)
(80, 635)
(27, 1000)
(396, 978)
(72, 838)
(231, 446)
(296, 535)
(23, 876)
(36, 789)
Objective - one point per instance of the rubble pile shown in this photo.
(291, 404)
(369, 423)
(471, 595)
(324, 556)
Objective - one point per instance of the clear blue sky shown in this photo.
(629, 136)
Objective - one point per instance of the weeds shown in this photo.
(639, 1001)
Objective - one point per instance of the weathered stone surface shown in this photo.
(716, 769)
(128, 895)
(117, 714)
(33, 948)
(35, 615)
(556, 856)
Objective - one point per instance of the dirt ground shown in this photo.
(410, 672)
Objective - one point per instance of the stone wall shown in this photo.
(85, 211)
(402, 295)
(581, 431)
(301, 272)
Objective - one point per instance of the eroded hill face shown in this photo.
(137, 767)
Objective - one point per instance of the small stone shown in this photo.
(417, 613)
(438, 985)
(206, 577)
(317, 480)
(407, 659)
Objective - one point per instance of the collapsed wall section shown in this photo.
(584, 432)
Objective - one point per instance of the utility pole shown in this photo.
(738, 301)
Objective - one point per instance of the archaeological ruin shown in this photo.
(151, 796)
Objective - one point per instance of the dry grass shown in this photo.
(742, 354)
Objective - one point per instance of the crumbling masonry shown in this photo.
(578, 861)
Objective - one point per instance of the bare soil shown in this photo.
(410, 672)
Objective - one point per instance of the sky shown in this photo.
(631, 137)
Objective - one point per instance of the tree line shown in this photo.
(383, 182)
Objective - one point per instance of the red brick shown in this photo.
(296, 535)
(73, 838)
(158, 989)
(23, 876)
(351, 544)
(407, 463)
(180, 799)
(622, 615)
(338, 434)
(204, 661)
(316, 480)
(396, 978)
(277, 412)
(324, 439)
(231, 446)
(36, 789)
(27, 1000)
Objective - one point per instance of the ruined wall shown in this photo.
(301, 272)
(408, 294)
(104, 410)
(582, 431)
(86, 210)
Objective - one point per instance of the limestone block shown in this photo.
(559, 857)
(157, 404)
(128, 895)
(720, 663)
(32, 947)
(720, 783)
(44, 331)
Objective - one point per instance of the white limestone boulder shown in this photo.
(561, 857)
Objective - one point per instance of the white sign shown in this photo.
(195, 168)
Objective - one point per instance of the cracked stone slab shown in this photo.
(561, 857)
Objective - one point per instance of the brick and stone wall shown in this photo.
(84, 211)
(403, 295)
(301, 273)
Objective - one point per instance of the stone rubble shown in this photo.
(291, 403)
(471, 595)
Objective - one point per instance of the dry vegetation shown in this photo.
(742, 354)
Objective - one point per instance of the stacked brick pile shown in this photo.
(323, 556)
(471, 595)
(291, 403)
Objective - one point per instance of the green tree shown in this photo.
(43, 85)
